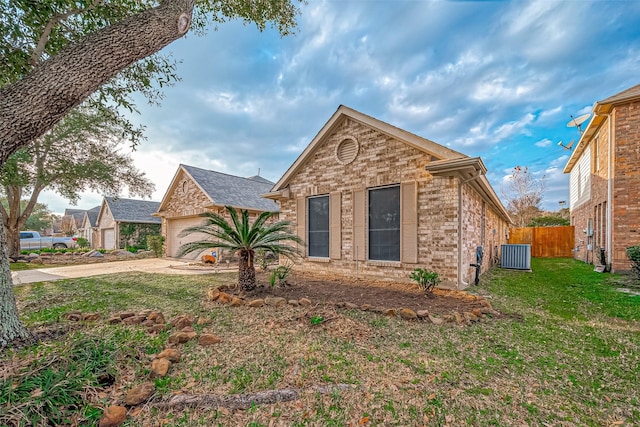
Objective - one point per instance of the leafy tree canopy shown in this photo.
(548, 221)
(40, 219)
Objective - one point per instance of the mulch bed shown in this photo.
(336, 290)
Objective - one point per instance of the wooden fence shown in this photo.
(546, 242)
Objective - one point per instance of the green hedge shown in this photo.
(633, 253)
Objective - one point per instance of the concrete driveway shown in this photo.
(149, 265)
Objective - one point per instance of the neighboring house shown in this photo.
(89, 229)
(370, 199)
(194, 191)
(125, 222)
(604, 180)
(71, 221)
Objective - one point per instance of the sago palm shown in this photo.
(244, 238)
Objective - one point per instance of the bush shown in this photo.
(633, 253)
(154, 244)
(82, 242)
(426, 279)
(279, 275)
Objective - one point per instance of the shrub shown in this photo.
(279, 275)
(426, 279)
(154, 244)
(633, 253)
(82, 242)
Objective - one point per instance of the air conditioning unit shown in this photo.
(517, 257)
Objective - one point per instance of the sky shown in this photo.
(495, 79)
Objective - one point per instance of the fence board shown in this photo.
(546, 242)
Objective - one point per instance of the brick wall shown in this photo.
(626, 185)
(382, 161)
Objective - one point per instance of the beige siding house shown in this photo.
(194, 191)
(370, 199)
(604, 170)
(116, 212)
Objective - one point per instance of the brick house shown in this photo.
(89, 229)
(604, 178)
(370, 199)
(122, 221)
(194, 191)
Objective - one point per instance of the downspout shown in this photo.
(460, 184)
(612, 139)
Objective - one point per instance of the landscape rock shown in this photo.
(181, 337)
(33, 255)
(460, 320)
(160, 367)
(172, 354)
(213, 294)
(146, 312)
(91, 317)
(275, 301)
(366, 307)
(148, 323)
(156, 317)
(436, 320)
(114, 320)
(408, 314)
(306, 302)
(350, 305)
(74, 317)
(133, 320)
(203, 321)
(293, 302)
(126, 314)
(224, 298)
(256, 303)
(422, 314)
(122, 253)
(187, 329)
(113, 416)
(181, 321)
(236, 302)
(159, 327)
(139, 394)
(470, 317)
(208, 339)
(390, 312)
(477, 312)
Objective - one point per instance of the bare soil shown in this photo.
(380, 294)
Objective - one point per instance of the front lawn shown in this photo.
(565, 353)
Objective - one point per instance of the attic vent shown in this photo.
(347, 151)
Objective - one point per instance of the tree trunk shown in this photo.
(10, 327)
(32, 105)
(13, 242)
(246, 272)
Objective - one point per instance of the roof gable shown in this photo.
(438, 151)
(131, 210)
(225, 190)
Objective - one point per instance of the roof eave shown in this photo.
(470, 170)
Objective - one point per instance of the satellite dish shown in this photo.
(566, 147)
(576, 122)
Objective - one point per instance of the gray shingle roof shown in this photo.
(93, 216)
(632, 92)
(130, 210)
(233, 190)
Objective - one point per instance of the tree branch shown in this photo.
(32, 105)
(36, 55)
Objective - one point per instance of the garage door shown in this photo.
(174, 241)
(109, 238)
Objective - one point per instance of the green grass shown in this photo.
(565, 351)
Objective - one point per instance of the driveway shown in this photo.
(149, 265)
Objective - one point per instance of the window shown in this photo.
(384, 224)
(318, 237)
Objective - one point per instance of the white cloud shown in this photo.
(543, 143)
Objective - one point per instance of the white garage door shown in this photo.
(174, 241)
(109, 238)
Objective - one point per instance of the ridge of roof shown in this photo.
(132, 210)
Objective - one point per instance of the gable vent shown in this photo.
(347, 151)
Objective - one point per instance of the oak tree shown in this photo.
(105, 38)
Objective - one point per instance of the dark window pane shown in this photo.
(384, 224)
(318, 238)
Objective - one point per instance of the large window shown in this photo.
(384, 224)
(318, 238)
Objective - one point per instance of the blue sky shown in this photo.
(498, 80)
